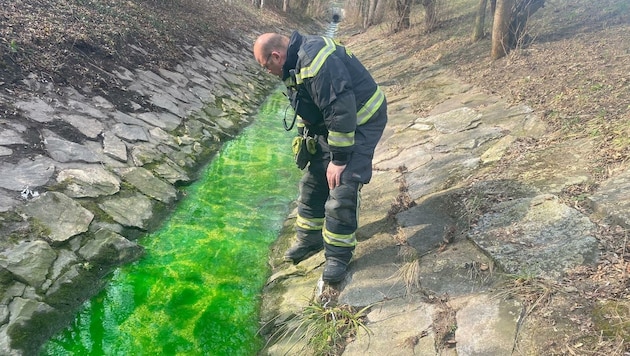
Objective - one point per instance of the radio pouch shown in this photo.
(304, 147)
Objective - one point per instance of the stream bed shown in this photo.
(197, 289)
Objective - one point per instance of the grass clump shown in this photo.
(409, 271)
(320, 328)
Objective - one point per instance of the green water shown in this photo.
(197, 290)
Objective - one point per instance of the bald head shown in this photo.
(270, 51)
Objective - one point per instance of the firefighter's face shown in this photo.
(272, 63)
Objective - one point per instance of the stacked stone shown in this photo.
(83, 174)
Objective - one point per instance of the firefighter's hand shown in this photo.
(333, 175)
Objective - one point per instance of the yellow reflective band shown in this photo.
(370, 107)
(317, 63)
(339, 239)
(341, 139)
(289, 82)
(309, 224)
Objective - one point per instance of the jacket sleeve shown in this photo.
(331, 90)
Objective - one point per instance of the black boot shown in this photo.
(337, 260)
(304, 248)
(335, 270)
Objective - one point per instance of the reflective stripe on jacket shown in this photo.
(332, 86)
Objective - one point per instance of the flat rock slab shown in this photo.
(27, 173)
(555, 167)
(88, 126)
(486, 325)
(456, 271)
(108, 247)
(612, 198)
(148, 184)
(401, 328)
(91, 181)
(132, 211)
(60, 215)
(525, 236)
(36, 109)
(6, 202)
(30, 261)
(372, 271)
(11, 137)
(372, 274)
(62, 150)
(453, 121)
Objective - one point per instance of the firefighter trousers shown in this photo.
(332, 215)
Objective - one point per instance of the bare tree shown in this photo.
(510, 24)
(365, 12)
(480, 19)
(520, 17)
(431, 14)
(379, 11)
(500, 28)
(317, 7)
(368, 20)
(403, 10)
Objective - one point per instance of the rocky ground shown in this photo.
(575, 73)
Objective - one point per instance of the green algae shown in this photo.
(197, 290)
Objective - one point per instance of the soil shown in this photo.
(71, 42)
(573, 67)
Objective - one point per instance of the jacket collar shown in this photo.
(292, 54)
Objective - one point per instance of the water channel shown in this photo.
(197, 290)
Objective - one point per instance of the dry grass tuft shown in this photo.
(532, 290)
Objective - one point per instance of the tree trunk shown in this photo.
(371, 12)
(285, 5)
(300, 5)
(501, 28)
(403, 9)
(480, 21)
(430, 17)
(521, 14)
(365, 19)
(316, 8)
(379, 12)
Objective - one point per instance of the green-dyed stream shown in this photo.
(197, 290)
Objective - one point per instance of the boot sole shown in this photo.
(296, 261)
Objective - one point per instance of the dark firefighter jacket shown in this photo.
(330, 90)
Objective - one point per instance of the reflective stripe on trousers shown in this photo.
(339, 206)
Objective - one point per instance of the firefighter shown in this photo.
(341, 113)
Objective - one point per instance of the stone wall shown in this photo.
(85, 172)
